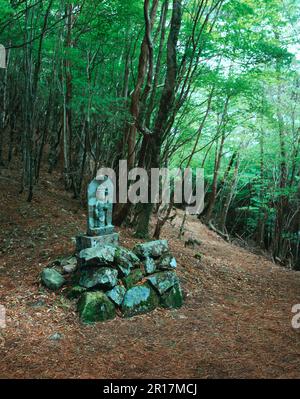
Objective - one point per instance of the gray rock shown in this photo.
(138, 300)
(117, 294)
(52, 279)
(167, 262)
(149, 265)
(97, 256)
(152, 248)
(56, 337)
(103, 276)
(125, 261)
(163, 281)
(95, 306)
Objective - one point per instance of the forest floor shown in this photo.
(235, 323)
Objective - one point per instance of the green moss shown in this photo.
(95, 306)
(198, 255)
(138, 300)
(133, 278)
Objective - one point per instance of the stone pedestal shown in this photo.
(101, 231)
(85, 241)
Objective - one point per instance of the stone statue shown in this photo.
(99, 222)
(100, 207)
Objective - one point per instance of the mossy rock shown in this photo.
(125, 261)
(104, 277)
(52, 279)
(75, 292)
(95, 306)
(152, 249)
(163, 281)
(172, 298)
(117, 294)
(138, 300)
(133, 278)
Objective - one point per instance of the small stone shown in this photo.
(124, 270)
(95, 306)
(97, 256)
(149, 265)
(172, 298)
(69, 260)
(56, 337)
(52, 279)
(138, 300)
(163, 281)
(117, 294)
(133, 278)
(167, 262)
(104, 276)
(152, 248)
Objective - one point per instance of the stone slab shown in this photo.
(85, 241)
(100, 231)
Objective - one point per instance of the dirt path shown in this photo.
(236, 321)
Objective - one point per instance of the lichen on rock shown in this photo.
(104, 276)
(95, 306)
(52, 279)
(162, 281)
(152, 248)
(139, 299)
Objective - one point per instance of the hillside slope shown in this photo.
(236, 321)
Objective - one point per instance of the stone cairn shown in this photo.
(108, 279)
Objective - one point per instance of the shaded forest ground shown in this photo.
(236, 321)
